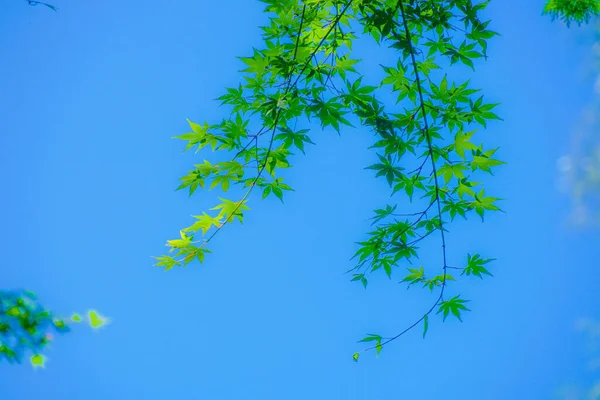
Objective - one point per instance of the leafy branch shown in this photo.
(437, 189)
(433, 125)
(184, 244)
(454, 305)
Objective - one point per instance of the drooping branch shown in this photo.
(274, 76)
(458, 303)
(434, 169)
(289, 86)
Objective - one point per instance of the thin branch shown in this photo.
(35, 3)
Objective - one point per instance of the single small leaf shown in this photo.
(364, 281)
(59, 324)
(355, 357)
(96, 320)
(371, 338)
(378, 348)
(38, 361)
(425, 325)
(13, 311)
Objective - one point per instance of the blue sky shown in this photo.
(90, 97)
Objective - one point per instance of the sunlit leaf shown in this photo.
(96, 320)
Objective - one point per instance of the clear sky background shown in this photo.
(89, 99)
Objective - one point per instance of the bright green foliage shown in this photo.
(578, 11)
(38, 361)
(475, 266)
(76, 318)
(454, 306)
(26, 326)
(96, 320)
(427, 144)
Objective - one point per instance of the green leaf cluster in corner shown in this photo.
(28, 327)
(568, 11)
